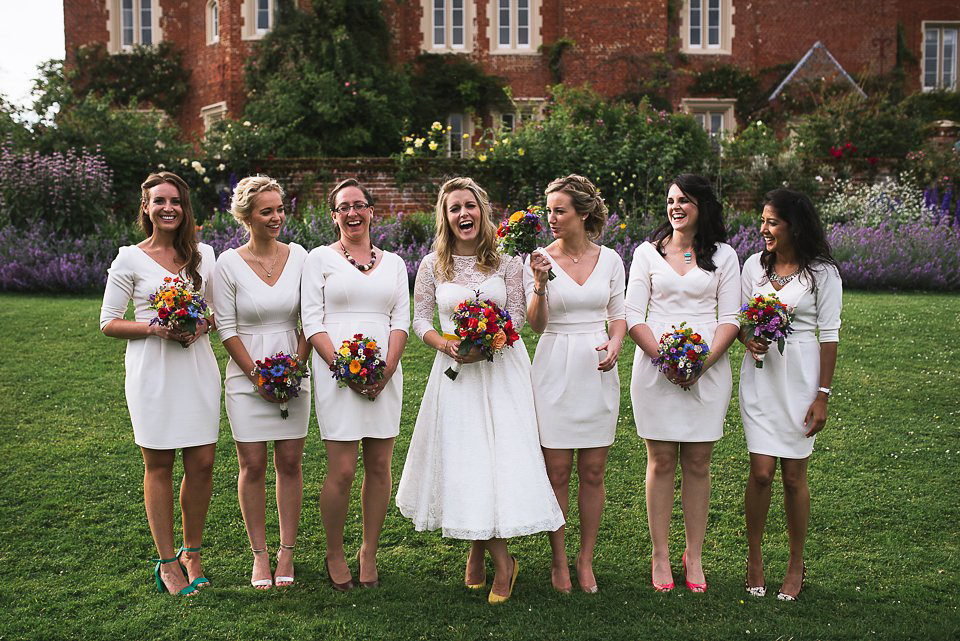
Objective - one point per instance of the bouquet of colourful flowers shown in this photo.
(517, 234)
(682, 351)
(280, 376)
(481, 324)
(768, 318)
(358, 361)
(178, 305)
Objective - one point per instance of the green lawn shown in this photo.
(883, 552)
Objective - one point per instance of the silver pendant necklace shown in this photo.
(780, 280)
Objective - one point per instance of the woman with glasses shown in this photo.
(351, 287)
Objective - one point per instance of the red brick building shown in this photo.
(615, 45)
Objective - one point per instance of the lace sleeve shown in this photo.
(424, 297)
(516, 302)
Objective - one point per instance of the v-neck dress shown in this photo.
(577, 404)
(339, 299)
(774, 400)
(660, 297)
(265, 319)
(173, 394)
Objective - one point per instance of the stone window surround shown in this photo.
(938, 24)
(213, 29)
(493, 29)
(725, 106)
(113, 24)
(426, 27)
(210, 114)
(727, 30)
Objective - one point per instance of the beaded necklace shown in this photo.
(363, 268)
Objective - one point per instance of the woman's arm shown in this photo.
(535, 273)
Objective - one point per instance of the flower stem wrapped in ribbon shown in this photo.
(682, 351)
(481, 324)
(517, 234)
(280, 376)
(178, 305)
(358, 361)
(766, 317)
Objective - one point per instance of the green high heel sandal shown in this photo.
(200, 581)
(161, 586)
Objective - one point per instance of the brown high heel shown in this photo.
(365, 584)
(341, 587)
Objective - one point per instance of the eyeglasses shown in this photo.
(357, 207)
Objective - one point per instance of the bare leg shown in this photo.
(252, 458)
(374, 499)
(503, 564)
(476, 572)
(195, 491)
(695, 498)
(661, 476)
(559, 464)
(334, 501)
(287, 459)
(796, 503)
(158, 500)
(591, 465)
(756, 505)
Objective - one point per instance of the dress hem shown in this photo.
(792, 456)
(175, 447)
(550, 525)
(268, 440)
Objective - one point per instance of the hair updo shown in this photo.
(245, 193)
(586, 201)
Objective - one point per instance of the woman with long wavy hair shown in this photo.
(686, 273)
(784, 405)
(173, 393)
(474, 467)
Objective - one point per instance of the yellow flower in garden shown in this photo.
(354, 367)
(466, 135)
(517, 216)
(520, 151)
(482, 157)
(433, 145)
(436, 126)
(408, 151)
(506, 141)
(623, 226)
(418, 143)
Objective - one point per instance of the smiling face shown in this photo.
(268, 215)
(565, 223)
(775, 231)
(682, 210)
(463, 216)
(354, 224)
(164, 208)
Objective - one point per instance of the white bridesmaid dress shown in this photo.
(660, 297)
(339, 299)
(577, 404)
(173, 393)
(774, 400)
(265, 319)
(474, 468)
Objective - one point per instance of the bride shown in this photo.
(474, 468)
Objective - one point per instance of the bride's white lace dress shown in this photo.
(474, 467)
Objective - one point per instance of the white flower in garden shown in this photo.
(227, 147)
(206, 180)
(759, 123)
(819, 179)
(184, 162)
(506, 141)
(246, 123)
(418, 143)
(161, 144)
(197, 167)
(436, 126)
(221, 167)
(161, 166)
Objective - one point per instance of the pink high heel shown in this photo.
(659, 587)
(693, 587)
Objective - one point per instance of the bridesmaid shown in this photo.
(784, 405)
(474, 467)
(351, 287)
(258, 303)
(173, 394)
(576, 384)
(686, 273)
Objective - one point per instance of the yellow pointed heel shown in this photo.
(496, 599)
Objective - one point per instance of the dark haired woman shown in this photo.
(685, 274)
(784, 405)
(351, 287)
(576, 385)
(173, 394)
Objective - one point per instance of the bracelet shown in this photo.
(540, 292)
(825, 390)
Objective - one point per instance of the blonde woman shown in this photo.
(352, 287)
(258, 296)
(576, 385)
(474, 468)
(160, 373)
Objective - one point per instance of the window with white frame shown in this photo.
(447, 25)
(715, 115)
(212, 114)
(515, 26)
(940, 56)
(459, 130)
(706, 26)
(213, 22)
(131, 23)
(259, 17)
